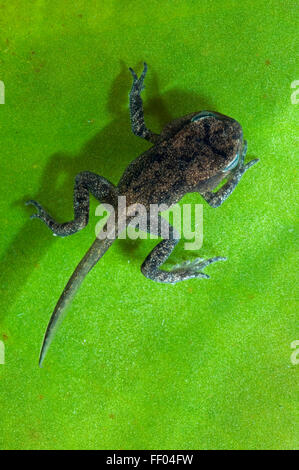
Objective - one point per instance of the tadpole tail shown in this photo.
(93, 255)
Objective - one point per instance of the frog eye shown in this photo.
(203, 114)
(232, 164)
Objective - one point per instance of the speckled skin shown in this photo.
(192, 154)
(193, 159)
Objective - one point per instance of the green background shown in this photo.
(137, 364)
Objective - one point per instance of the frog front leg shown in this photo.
(186, 270)
(218, 198)
(85, 183)
(136, 108)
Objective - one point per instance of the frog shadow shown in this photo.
(107, 153)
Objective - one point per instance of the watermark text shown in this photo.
(176, 221)
(2, 353)
(295, 354)
(295, 94)
(2, 92)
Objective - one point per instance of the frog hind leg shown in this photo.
(186, 270)
(85, 182)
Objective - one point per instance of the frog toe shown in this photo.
(138, 85)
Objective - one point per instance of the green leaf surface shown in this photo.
(204, 364)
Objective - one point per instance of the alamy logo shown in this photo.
(294, 95)
(295, 354)
(143, 223)
(2, 352)
(2, 92)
